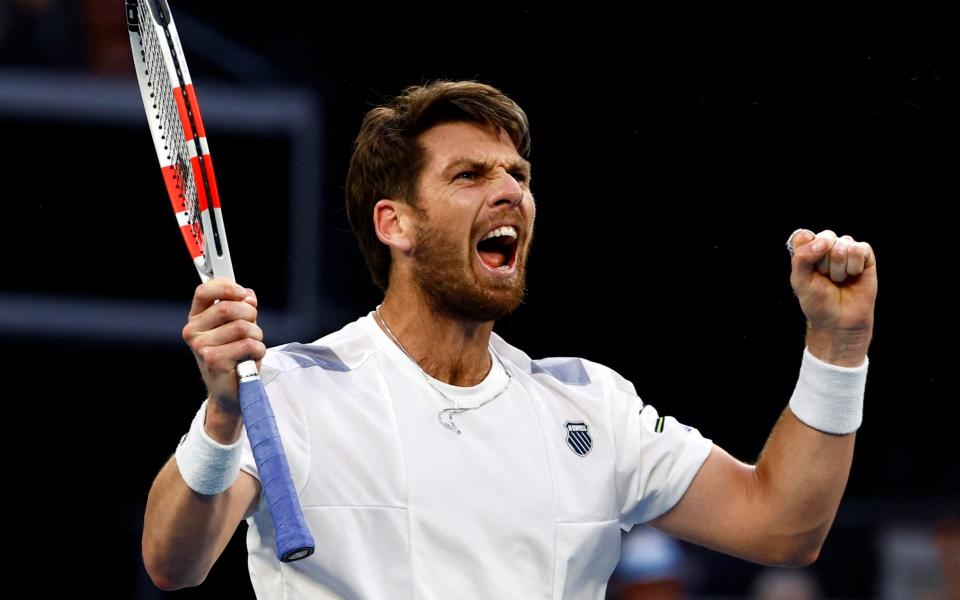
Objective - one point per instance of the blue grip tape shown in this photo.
(293, 537)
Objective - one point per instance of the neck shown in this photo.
(449, 349)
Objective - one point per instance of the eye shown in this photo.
(520, 176)
(468, 175)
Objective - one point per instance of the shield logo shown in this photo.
(578, 437)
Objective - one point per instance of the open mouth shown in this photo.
(498, 249)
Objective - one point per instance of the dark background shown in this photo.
(675, 147)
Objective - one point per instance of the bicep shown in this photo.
(719, 510)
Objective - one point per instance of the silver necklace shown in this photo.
(446, 415)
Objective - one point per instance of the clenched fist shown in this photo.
(835, 279)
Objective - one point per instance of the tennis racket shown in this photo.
(181, 145)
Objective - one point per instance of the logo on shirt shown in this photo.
(578, 437)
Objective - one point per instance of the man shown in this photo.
(435, 460)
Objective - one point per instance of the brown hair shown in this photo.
(388, 158)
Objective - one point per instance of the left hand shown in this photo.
(835, 279)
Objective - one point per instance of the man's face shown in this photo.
(473, 239)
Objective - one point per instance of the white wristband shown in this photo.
(829, 397)
(207, 466)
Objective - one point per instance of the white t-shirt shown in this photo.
(527, 502)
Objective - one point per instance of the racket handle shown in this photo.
(292, 535)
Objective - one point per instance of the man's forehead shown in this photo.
(448, 143)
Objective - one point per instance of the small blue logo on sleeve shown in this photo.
(578, 437)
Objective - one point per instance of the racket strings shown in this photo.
(167, 119)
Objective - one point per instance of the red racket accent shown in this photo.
(198, 179)
(192, 99)
(211, 181)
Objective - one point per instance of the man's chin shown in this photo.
(495, 309)
(477, 304)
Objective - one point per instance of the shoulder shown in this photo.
(338, 352)
(568, 371)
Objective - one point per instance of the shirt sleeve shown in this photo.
(657, 458)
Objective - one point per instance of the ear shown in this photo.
(393, 223)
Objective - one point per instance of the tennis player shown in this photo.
(432, 458)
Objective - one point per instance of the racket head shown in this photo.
(178, 134)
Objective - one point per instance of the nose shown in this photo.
(508, 191)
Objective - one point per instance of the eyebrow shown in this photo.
(474, 164)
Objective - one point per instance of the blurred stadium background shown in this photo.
(676, 145)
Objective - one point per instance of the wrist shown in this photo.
(829, 397)
(843, 348)
(223, 421)
(207, 466)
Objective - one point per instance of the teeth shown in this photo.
(501, 231)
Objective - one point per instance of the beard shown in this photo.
(451, 286)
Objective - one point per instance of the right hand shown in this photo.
(222, 331)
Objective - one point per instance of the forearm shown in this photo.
(805, 464)
(197, 501)
(183, 532)
(799, 481)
